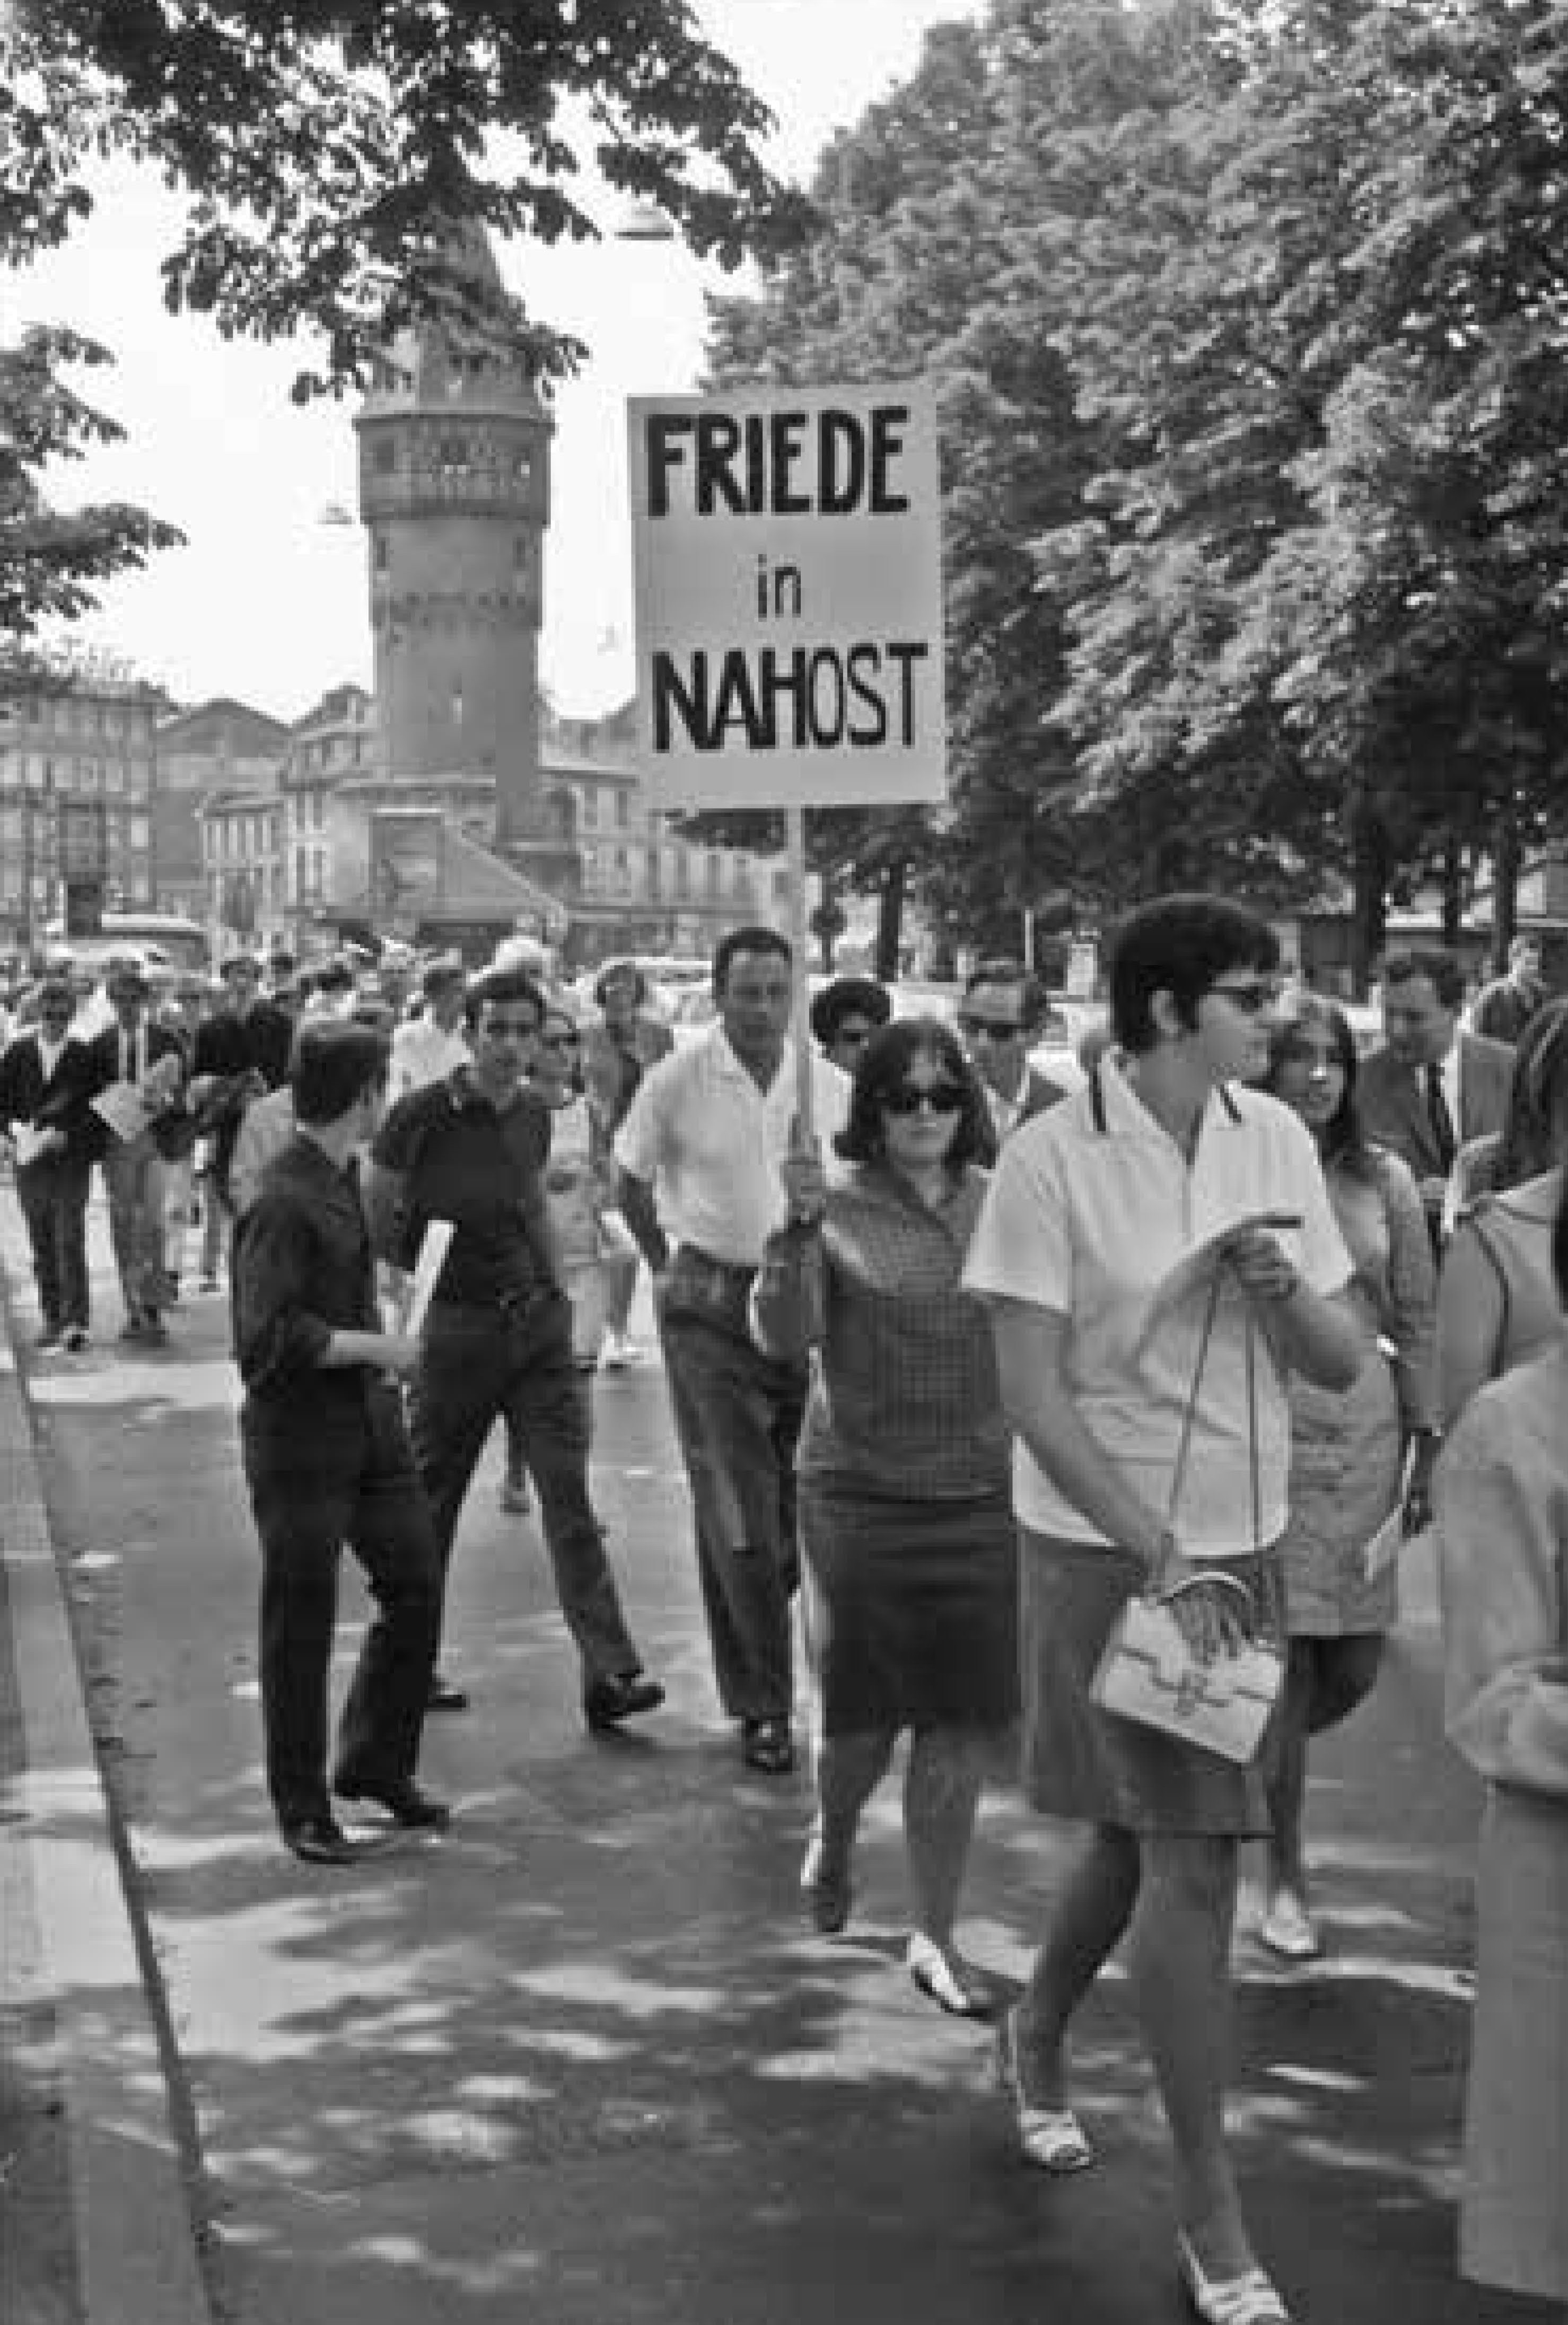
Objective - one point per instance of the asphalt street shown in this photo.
(581, 2056)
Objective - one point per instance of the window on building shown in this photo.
(522, 465)
(141, 831)
(317, 808)
(457, 706)
(623, 810)
(384, 458)
(590, 798)
(381, 552)
(301, 872)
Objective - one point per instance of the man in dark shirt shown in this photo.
(471, 1150)
(328, 1460)
(240, 1052)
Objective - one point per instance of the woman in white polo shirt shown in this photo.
(1092, 1208)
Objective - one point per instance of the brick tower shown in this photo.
(454, 489)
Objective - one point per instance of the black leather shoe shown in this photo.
(320, 1841)
(768, 1745)
(444, 1696)
(608, 1701)
(403, 1800)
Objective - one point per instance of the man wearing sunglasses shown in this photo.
(1003, 1010)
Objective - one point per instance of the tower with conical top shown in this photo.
(454, 490)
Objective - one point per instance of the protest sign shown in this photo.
(788, 591)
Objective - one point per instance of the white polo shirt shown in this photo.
(1089, 1223)
(711, 1143)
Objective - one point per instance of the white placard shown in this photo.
(434, 1246)
(789, 587)
(125, 1108)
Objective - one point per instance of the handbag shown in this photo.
(1148, 1672)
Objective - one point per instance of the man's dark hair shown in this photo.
(502, 985)
(1445, 972)
(440, 978)
(335, 1062)
(1180, 945)
(849, 997)
(1034, 1001)
(884, 1062)
(740, 940)
(280, 967)
(334, 977)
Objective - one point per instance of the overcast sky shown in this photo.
(268, 600)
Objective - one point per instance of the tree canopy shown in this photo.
(1248, 334)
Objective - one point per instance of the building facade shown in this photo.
(78, 775)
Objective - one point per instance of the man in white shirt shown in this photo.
(699, 1151)
(431, 1047)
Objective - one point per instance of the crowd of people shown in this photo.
(968, 1363)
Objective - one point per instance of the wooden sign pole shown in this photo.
(794, 845)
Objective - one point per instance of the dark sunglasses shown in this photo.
(561, 1041)
(910, 1097)
(990, 1029)
(1252, 999)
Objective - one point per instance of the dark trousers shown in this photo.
(53, 1195)
(481, 1362)
(738, 1416)
(314, 1487)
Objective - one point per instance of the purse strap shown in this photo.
(1189, 1416)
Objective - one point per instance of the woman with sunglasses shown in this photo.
(1152, 1446)
(1347, 1450)
(902, 1477)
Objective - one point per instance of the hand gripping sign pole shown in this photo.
(788, 590)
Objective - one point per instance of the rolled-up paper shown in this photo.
(434, 1246)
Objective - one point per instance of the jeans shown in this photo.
(738, 1416)
(479, 1362)
(134, 1182)
(53, 1196)
(354, 1482)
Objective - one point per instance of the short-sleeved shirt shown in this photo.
(1092, 1207)
(459, 1160)
(711, 1143)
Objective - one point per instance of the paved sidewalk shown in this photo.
(580, 2058)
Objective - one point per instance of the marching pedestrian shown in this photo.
(241, 1052)
(1003, 1009)
(1348, 1448)
(472, 1151)
(47, 1081)
(328, 1461)
(699, 1152)
(1501, 1495)
(135, 1054)
(617, 1051)
(906, 1529)
(1091, 1207)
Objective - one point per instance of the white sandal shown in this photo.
(1250, 2299)
(1051, 2137)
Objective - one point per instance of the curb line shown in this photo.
(131, 2215)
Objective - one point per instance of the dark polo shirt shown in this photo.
(444, 1153)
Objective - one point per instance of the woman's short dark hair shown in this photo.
(848, 997)
(1532, 1136)
(1343, 1139)
(335, 1062)
(1180, 945)
(739, 941)
(502, 985)
(883, 1064)
(620, 972)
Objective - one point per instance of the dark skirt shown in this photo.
(1089, 1764)
(912, 1609)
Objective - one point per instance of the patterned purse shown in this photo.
(1149, 1672)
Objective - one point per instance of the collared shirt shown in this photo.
(422, 1053)
(711, 1143)
(904, 1398)
(1092, 1224)
(302, 1270)
(444, 1153)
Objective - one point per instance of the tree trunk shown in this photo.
(1370, 898)
(1505, 889)
(1453, 892)
(891, 918)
